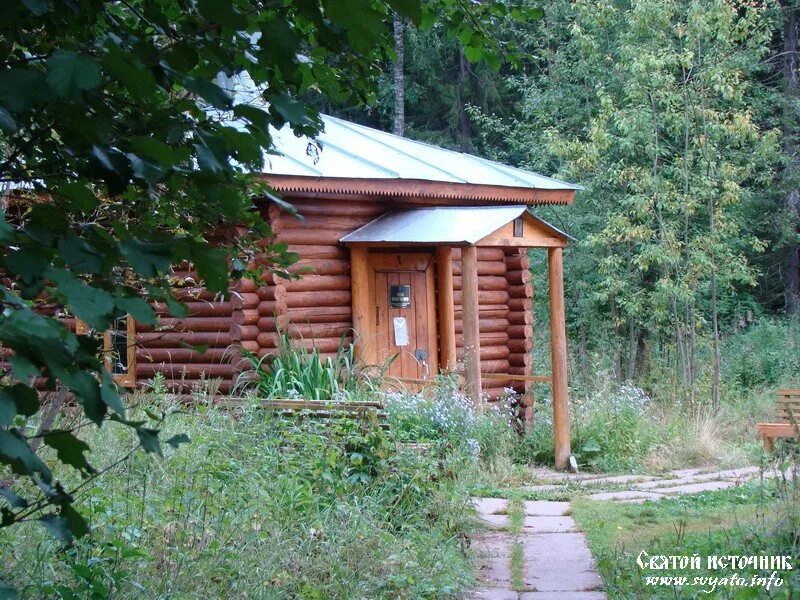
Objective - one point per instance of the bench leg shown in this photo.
(768, 444)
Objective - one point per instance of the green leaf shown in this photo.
(70, 450)
(88, 303)
(14, 500)
(138, 308)
(177, 440)
(212, 266)
(208, 91)
(291, 110)
(69, 72)
(65, 526)
(80, 196)
(23, 369)
(109, 393)
(20, 89)
(149, 439)
(7, 122)
(79, 256)
(222, 12)
(408, 8)
(148, 259)
(16, 453)
(17, 399)
(129, 71)
(6, 231)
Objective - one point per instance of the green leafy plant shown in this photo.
(297, 372)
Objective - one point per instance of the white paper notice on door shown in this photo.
(400, 331)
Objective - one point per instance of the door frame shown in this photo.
(363, 295)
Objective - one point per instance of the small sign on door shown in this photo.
(399, 296)
(400, 331)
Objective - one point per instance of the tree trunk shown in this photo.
(399, 77)
(791, 76)
(463, 118)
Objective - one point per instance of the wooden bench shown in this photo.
(788, 409)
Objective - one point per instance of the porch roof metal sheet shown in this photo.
(456, 225)
(348, 150)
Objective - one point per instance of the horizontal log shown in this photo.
(485, 297)
(342, 223)
(310, 237)
(520, 331)
(198, 324)
(485, 282)
(319, 330)
(319, 283)
(520, 304)
(518, 317)
(308, 299)
(187, 355)
(267, 339)
(203, 309)
(185, 370)
(518, 277)
(484, 325)
(268, 308)
(313, 252)
(522, 370)
(519, 360)
(322, 314)
(521, 291)
(310, 207)
(322, 266)
(494, 338)
(270, 323)
(323, 345)
(274, 293)
(518, 262)
(245, 286)
(494, 352)
(196, 294)
(520, 346)
(246, 316)
(485, 267)
(158, 339)
(494, 366)
(244, 332)
(241, 300)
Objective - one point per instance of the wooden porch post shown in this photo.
(469, 311)
(362, 304)
(447, 319)
(558, 353)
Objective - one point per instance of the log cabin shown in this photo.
(404, 249)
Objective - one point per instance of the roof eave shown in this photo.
(417, 188)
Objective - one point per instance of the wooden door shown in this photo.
(403, 288)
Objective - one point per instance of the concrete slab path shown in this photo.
(556, 563)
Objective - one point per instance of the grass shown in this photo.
(257, 506)
(751, 519)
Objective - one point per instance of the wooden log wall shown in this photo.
(493, 312)
(315, 309)
(520, 317)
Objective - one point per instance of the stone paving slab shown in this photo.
(490, 506)
(495, 521)
(545, 487)
(627, 495)
(548, 525)
(545, 508)
(494, 555)
(563, 596)
(492, 594)
(559, 562)
(617, 480)
(696, 488)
